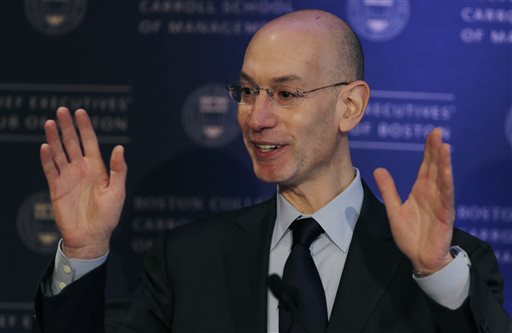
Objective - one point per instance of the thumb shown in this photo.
(387, 189)
(118, 169)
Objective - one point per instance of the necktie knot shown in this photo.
(305, 231)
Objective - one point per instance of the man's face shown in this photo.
(297, 145)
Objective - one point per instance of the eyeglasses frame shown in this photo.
(270, 93)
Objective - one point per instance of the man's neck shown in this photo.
(308, 197)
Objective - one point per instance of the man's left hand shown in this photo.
(422, 226)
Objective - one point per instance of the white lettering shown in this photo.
(8, 320)
(260, 7)
(477, 213)
(152, 203)
(34, 122)
(11, 102)
(504, 256)
(107, 124)
(11, 122)
(217, 204)
(362, 129)
(189, 7)
(493, 235)
(501, 37)
(486, 15)
(469, 35)
(389, 110)
(91, 103)
(147, 27)
(144, 224)
(213, 27)
(141, 245)
(409, 131)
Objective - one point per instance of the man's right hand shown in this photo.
(86, 200)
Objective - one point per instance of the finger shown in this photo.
(387, 189)
(53, 140)
(436, 143)
(446, 188)
(69, 135)
(49, 167)
(433, 146)
(87, 134)
(423, 172)
(118, 170)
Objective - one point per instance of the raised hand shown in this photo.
(422, 226)
(86, 200)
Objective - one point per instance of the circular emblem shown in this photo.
(508, 126)
(209, 116)
(55, 18)
(36, 224)
(378, 20)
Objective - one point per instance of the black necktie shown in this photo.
(302, 279)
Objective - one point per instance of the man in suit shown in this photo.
(402, 268)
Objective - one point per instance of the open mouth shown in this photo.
(267, 148)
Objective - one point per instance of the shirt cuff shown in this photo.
(66, 270)
(449, 286)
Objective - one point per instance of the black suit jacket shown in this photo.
(210, 276)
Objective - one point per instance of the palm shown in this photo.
(79, 196)
(87, 202)
(422, 226)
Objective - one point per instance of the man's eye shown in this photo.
(246, 91)
(286, 95)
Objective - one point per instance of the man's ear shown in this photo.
(352, 103)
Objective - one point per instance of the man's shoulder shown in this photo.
(469, 242)
(207, 239)
(223, 223)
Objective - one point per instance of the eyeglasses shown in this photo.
(282, 95)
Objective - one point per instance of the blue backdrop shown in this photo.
(152, 75)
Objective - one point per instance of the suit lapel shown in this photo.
(371, 262)
(246, 266)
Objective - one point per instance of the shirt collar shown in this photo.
(338, 217)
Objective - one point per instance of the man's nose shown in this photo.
(263, 114)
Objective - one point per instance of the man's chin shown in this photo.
(269, 178)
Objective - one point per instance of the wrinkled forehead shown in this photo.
(299, 52)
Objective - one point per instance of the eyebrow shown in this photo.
(278, 79)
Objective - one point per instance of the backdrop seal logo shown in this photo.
(378, 20)
(209, 116)
(508, 126)
(53, 17)
(36, 224)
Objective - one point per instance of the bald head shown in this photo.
(335, 44)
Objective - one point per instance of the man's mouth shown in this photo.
(267, 148)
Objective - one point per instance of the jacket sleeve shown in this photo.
(80, 307)
(483, 311)
(77, 308)
(486, 292)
